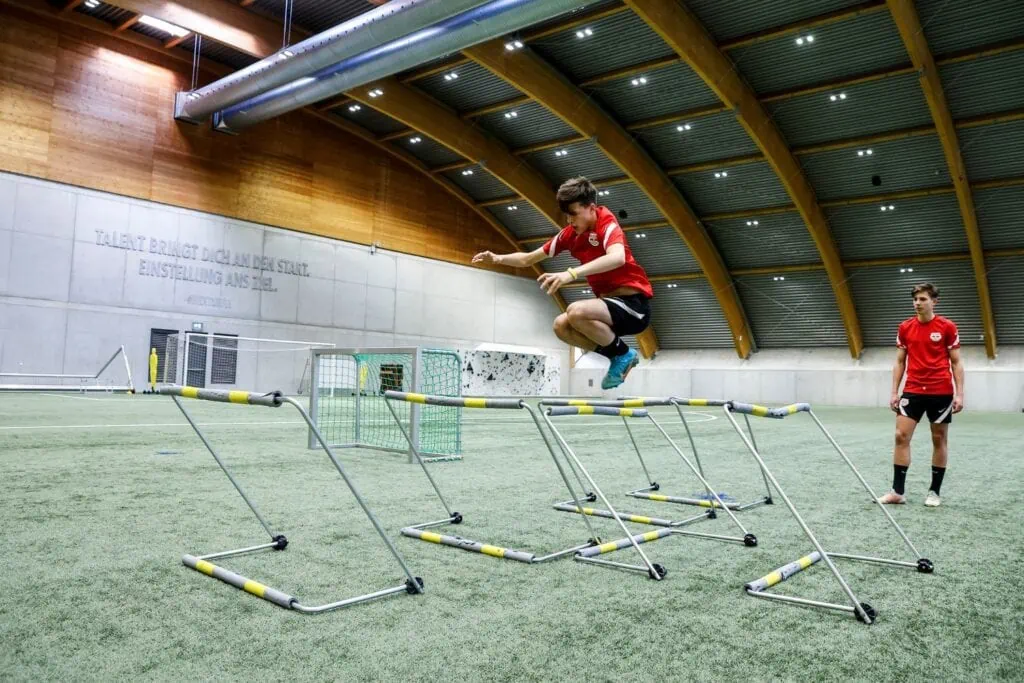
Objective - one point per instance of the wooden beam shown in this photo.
(693, 44)
(333, 102)
(177, 40)
(532, 75)
(862, 9)
(220, 20)
(70, 5)
(909, 24)
(128, 23)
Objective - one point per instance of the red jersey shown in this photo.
(928, 346)
(594, 243)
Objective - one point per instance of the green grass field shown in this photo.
(102, 495)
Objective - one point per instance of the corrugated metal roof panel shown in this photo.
(847, 48)
(583, 159)
(995, 151)
(727, 19)
(479, 184)
(602, 52)
(1004, 284)
(475, 87)
(882, 298)
(689, 316)
(869, 108)
(633, 201)
(371, 119)
(907, 164)
(718, 136)
(750, 186)
(920, 226)
(532, 124)
(985, 86)
(661, 252)
(669, 89)
(223, 54)
(525, 221)
(955, 25)
(777, 240)
(428, 150)
(150, 32)
(797, 310)
(315, 15)
(558, 263)
(1000, 214)
(108, 13)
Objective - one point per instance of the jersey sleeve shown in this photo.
(901, 337)
(611, 234)
(952, 337)
(557, 244)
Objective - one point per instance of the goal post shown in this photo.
(347, 398)
(108, 379)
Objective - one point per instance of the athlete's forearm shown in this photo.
(958, 378)
(520, 259)
(601, 264)
(897, 375)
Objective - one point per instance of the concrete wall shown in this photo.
(825, 377)
(79, 277)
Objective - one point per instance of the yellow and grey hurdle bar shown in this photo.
(421, 531)
(759, 588)
(670, 528)
(203, 564)
(648, 492)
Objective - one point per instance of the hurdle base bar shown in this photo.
(758, 589)
(283, 599)
(645, 494)
(487, 549)
(279, 543)
(923, 565)
(569, 506)
(866, 614)
(658, 574)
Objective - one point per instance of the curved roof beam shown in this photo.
(909, 24)
(535, 77)
(692, 43)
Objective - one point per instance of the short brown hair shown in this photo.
(928, 288)
(576, 190)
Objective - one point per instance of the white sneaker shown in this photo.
(893, 498)
(932, 500)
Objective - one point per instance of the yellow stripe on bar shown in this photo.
(633, 403)
(577, 402)
(204, 567)
(416, 398)
(430, 536)
(658, 497)
(190, 392)
(651, 536)
(607, 547)
(626, 412)
(586, 410)
(773, 578)
(640, 519)
(238, 396)
(698, 402)
(492, 550)
(760, 411)
(805, 561)
(476, 402)
(792, 409)
(254, 587)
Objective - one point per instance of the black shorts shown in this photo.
(939, 408)
(630, 314)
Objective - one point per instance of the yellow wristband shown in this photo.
(572, 271)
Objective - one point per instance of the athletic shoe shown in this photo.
(893, 498)
(932, 500)
(620, 367)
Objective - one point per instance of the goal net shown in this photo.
(223, 361)
(114, 375)
(349, 407)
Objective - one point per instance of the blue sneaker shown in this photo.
(620, 367)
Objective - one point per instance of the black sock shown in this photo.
(899, 477)
(937, 474)
(616, 348)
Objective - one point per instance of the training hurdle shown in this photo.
(581, 552)
(202, 563)
(670, 528)
(648, 492)
(758, 588)
(83, 381)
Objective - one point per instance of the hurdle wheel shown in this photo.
(925, 566)
(658, 573)
(750, 540)
(456, 518)
(410, 588)
(869, 610)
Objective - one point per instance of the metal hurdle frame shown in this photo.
(758, 588)
(201, 563)
(670, 528)
(129, 388)
(419, 531)
(647, 492)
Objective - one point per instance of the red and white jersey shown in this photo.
(594, 243)
(928, 346)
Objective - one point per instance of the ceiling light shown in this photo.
(799, 41)
(376, 92)
(451, 77)
(842, 96)
(514, 45)
(581, 34)
(561, 153)
(164, 26)
(684, 126)
(354, 108)
(92, 4)
(603, 193)
(468, 171)
(639, 81)
(416, 140)
(860, 152)
(513, 207)
(833, 98)
(906, 270)
(869, 152)
(810, 39)
(779, 278)
(511, 114)
(892, 208)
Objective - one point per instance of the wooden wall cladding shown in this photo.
(87, 109)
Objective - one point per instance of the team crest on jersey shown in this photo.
(592, 239)
(935, 336)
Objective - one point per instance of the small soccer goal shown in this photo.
(225, 361)
(348, 405)
(115, 375)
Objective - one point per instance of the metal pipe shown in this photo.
(404, 588)
(478, 25)
(348, 39)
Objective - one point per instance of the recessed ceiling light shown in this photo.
(779, 278)
(842, 96)
(92, 4)
(376, 92)
(468, 171)
(514, 45)
(354, 108)
(166, 27)
(513, 207)
(415, 140)
(639, 81)
(561, 153)
(892, 208)
(810, 39)
(511, 114)
(451, 76)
